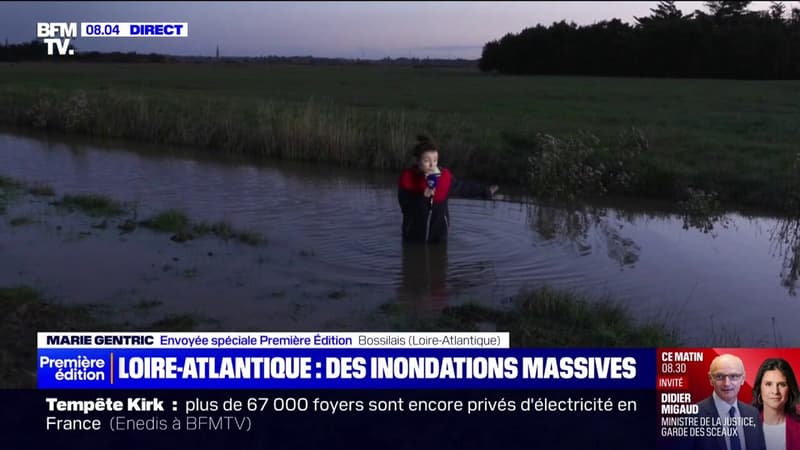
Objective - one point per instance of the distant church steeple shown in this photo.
(217, 51)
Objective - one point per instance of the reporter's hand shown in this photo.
(429, 192)
(492, 189)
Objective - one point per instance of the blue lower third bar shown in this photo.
(346, 369)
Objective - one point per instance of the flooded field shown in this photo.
(332, 256)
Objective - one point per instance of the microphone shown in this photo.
(432, 179)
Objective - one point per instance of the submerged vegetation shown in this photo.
(176, 221)
(41, 190)
(92, 205)
(734, 138)
(20, 221)
(8, 184)
(173, 220)
(9, 189)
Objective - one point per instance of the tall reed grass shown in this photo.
(566, 166)
(306, 131)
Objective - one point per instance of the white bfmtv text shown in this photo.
(57, 35)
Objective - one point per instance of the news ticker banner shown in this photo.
(58, 35)
(444, 371)
(327, 360)
(329, 418)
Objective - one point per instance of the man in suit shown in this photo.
(726, 376)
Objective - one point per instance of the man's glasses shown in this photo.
(734, 377)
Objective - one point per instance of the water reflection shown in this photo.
(621, 249)
(423, 281)
(785, 238)
(702, 210)
(574, 225)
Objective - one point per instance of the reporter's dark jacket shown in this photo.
(426, 221)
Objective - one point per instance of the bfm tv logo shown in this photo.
(57, 35)
(63, 30)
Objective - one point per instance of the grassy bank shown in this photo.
(549, 318)
(24, 312)
(542, 318)
(737, 138)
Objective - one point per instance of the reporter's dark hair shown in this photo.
(425, 143)
(782, 366)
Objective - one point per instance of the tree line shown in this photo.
(36, 50)
(728, 41)
(26, 51)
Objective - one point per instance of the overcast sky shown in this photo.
(325, 29)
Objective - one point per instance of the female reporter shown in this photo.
(776, 395)
(423, 191)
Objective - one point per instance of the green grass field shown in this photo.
(738, 138)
